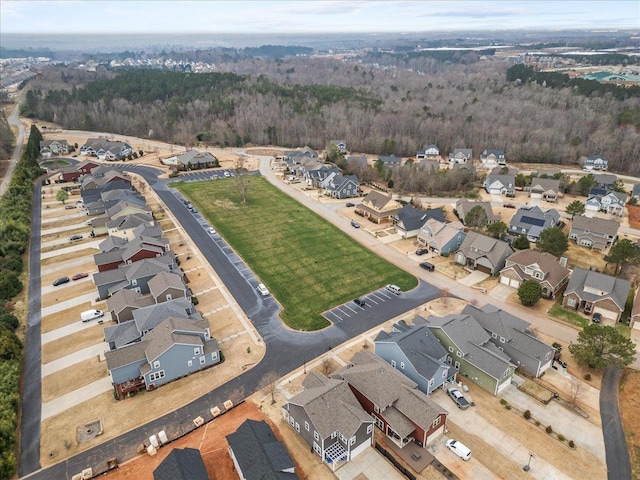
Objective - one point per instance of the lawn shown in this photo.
(568, 316)
(308, 264)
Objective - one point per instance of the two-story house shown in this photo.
(441, 238)
(483, 253)
(339, 186)
(430, 152)
(461, 156)
(541, 267)
(329, 418)
(341, 145)
(595, 233)
(409, 220)
(491, 158)
(53, 147)
(547, 189)
(378, 207)
(417, 353)
(594, 162)
(500, 185)
(532, 221)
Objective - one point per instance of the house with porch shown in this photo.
(402, 412)
(532, 221)
(440, 237)
(49, 148)
(541, 267)
(591, 292)
(547, 189)
(514, 336)
(461, 156)
(471, 351)
(491, 158)
(341, 145)
(338, 186)
(594, 162)
(500, 185)
(417, 353)
(464, 206)
(613, 203)
(196, 160)
(329, 418)
(479, 252)
(409, 220)
(430, 152)
(378, 207)
(594, 233)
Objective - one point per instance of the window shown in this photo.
(190, 363)
(494, 335)
(214, 356)
(156, 364)
(393, 363)
(196, 351)
(316, 448)
(402, 365)
(506, 373)
(203, 360)
(306, 426)
(370, 428)
(451, 349)
(297, 427)
(457, 365)
(352, 440)
(430, 381)
(436, 422)
(444, 374)
(458, 354)
(376, 408)
(449, 359)
(292, 421)
(316, 435)
(156, 375)
(334, 434)
(343, 439)
(571, 302)
(502, 340)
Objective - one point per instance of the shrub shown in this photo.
(537, 423)
(548, 429)
(527, 414)
(9, 320)
(561, 437)
(587, 376)
(195, 300)
(508, 407)
(571, 444)
(503, 401)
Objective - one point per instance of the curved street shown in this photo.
(618, 465)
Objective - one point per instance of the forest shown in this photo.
(378, 107)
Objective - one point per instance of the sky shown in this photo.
(122, 16)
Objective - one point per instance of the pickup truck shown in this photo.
(457, 397)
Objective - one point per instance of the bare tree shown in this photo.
(270, 381)
(575, 392)
(242, 179)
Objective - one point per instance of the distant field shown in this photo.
(308, 264)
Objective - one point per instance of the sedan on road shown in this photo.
(422, 251)
(355, 224)
(79, 276)
(211, 231)
(60, 281)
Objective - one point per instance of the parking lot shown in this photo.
(351, 310)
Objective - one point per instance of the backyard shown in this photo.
(308, 264)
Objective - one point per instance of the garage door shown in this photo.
(504, 385)
(515, 283)
(361, 448)
(434, 435)
(605, 313)
(504, 280)
(483, 269)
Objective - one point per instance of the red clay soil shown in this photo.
(634, 215)
(209, 439)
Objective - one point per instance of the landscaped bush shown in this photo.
(571, 444)
(537, 423)
(561, 437)
(508, 407)
(548, 429)
(587, 376)
(527, 414)
(503, 401)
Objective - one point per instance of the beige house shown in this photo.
(542, 267)
(378, 207)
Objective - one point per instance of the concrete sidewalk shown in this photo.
(50, 288)
(75, 226)
(67, 265)
(78, 246)
(73, 358)
(71, 399)
(67, 330)
(75, 214)
(74, 302)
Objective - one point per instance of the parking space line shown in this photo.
(340, 310)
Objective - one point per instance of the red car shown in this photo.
(78, 276)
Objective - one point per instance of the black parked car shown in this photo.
(349, 204)
(428, 266)
(60, 281)
(597, 317)
(75, 237)
(359, 301)
(422, 251)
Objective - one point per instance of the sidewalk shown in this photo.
(78, 246)
(71, 399)
(73, 358)
(66, 330)
(56, 307)
(75, 226)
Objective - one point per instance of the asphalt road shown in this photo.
(618, 465)
(14, 120)
(286, 350)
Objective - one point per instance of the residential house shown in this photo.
(464, 206)
(316, 173)
(338, 186)
(471, 351)
(146, 318)
(409, 220)
(124, 208)
(130, 252)
(461, 155)
(358, 160)
(593, 292)
(135, 276)
(592, 204)
(417, 353)
(513, 336)
(390, 161)
(403, 413)
(483, 253)
(440, 237)
(125, 226)
(105, 149)
(378, 207)
(99, 204)
(532, 221)
(258, 455)
(123, 303)
(91, 182)
(500, 185)
(605, 180)
(166, 286)
(613, 203)
(74, 172)
(341, 145)
(196, 160)
(95, 194)
(182, 464)
(329, 418)
(430, 152)
(490, 158)
(541, 267)
(547, 189)
(594, 162)
(175, 348)
(595, 233)
(53, 147)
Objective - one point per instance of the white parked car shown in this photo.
(263, 290)
(459, 449)
(211, 231)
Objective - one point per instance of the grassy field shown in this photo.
(308, 264)
(568, 316)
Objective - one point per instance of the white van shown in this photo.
(394, 289)
(459, 449)
(91, 314)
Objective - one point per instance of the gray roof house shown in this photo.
(513, 336)
(417, 353)
(500, 185)
(390, 160)
(493, 157)
(547, 189)
(595, 233)
(125, 225)
(175, 348)
(258, 455)
(409, 220)
(403, 413)
(53, 147)
(483, 253)
(460, 155)
(594, 292)
(605, 180)
(122, 304)
(378, 207)
(166, 286)
(182, 464)
(441, 238)
(541, 267)
(464, 206)
(135, 276)
(429, 152)
(338, 186)
(340, 144)
(532, 221)
(613, 203)
(195, 160)
(314, 175)
(470, 350)
(594, 162)
(328, 416)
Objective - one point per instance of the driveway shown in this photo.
(474, 277)
(370, 464)
(501, 292)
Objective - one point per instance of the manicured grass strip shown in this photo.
(308, 264)
(568, 316)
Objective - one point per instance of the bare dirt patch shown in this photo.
(633, 212)
(629, 401)
(584, 257)
(71, 343)
(81, 252)
(68, 380)
(68, 316)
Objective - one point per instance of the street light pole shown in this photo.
(527, 467)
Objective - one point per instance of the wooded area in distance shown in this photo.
(378, 110)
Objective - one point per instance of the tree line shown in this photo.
(15, 223)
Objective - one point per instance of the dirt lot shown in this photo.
(634, 216)
(629, 401)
